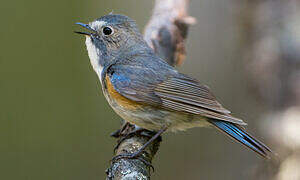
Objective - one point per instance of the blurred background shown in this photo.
(55, 122)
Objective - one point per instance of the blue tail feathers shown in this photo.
(239, 134)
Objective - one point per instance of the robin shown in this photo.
(147, 92)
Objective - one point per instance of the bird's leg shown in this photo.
(137, 153)
(118, 133)
(137, 130)
(122, 134)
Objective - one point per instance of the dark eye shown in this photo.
(107, 31)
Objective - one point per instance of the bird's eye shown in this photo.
(107, 31)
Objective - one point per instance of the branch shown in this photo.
(165, 33)
(167, 30)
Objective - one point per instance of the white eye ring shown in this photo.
(107, 30)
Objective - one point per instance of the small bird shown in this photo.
(147, 92)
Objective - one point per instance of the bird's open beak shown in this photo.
(87, 27)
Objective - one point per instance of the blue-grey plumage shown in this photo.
(144, 90)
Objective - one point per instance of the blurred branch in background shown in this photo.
(272, 58)
(165, 33)
(167, 30)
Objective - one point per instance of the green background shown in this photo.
(55, 122)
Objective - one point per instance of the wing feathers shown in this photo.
(188, 91)
(192, 91)
(193, 100)
(179, 106)
(187, 95)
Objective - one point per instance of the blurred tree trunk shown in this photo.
(271, 47)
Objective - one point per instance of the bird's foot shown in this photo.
(136, 131)
(118, 133)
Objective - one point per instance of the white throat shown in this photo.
(94, 55)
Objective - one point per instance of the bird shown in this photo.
(146, 91)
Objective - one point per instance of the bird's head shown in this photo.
(110, 36)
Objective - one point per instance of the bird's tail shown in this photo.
(239, 134)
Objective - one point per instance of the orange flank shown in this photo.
(118, 98)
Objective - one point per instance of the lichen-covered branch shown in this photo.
(126, 169)
(165, 33)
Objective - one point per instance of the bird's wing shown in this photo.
(175, 92)
(188, 95)
(135, 83)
